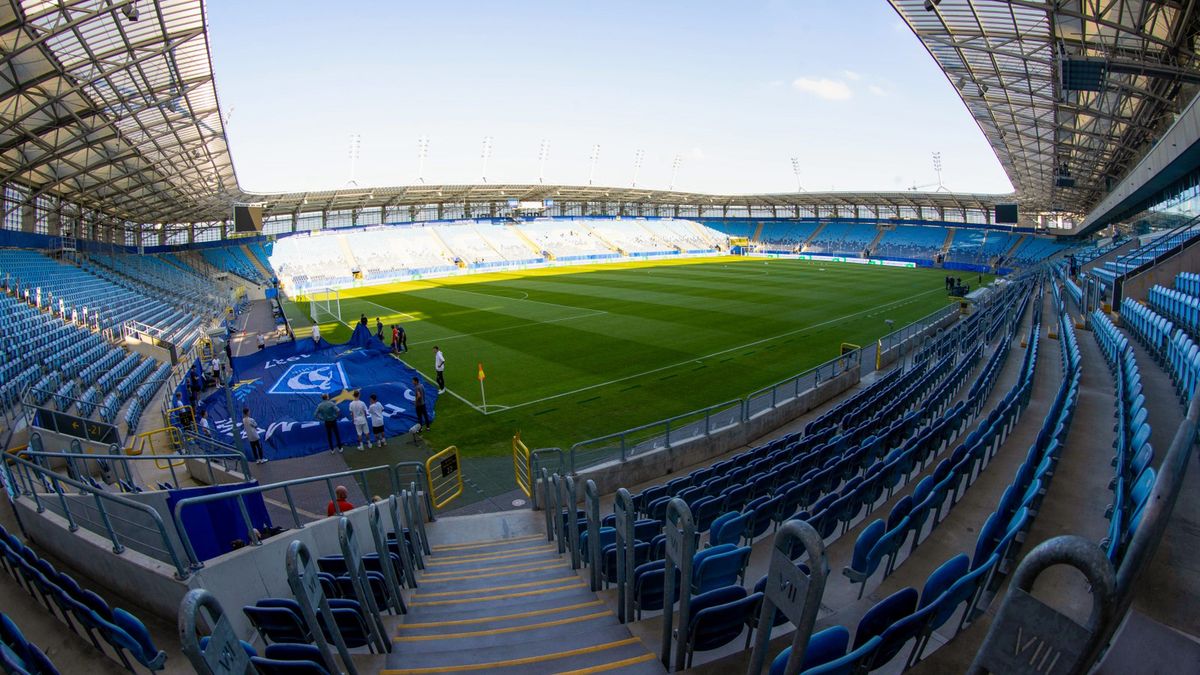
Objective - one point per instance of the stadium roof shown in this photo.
(1075, 89)
(110, 105)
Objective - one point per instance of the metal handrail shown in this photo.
(536, 470)
(240, 494)
(522, 469)
(422, 479)
(26, 489)
(124, 460)
(1155, 518)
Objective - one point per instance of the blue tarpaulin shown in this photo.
(283, 384)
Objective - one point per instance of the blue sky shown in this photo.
(734, 89)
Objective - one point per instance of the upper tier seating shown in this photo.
(911, 242)
(843, 239)
(979, 247)
(233, 259)
(789, 235)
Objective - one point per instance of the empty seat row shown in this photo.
(83, 611)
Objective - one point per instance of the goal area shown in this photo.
(326, 304)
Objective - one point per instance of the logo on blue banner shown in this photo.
(311, 378)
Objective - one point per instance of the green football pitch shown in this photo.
(575, 353)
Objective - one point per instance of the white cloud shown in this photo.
(696, 153)
(877, 90)
(830, 90)
(851, 75)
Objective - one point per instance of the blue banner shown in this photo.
(283, 384)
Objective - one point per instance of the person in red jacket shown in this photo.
(342, 505)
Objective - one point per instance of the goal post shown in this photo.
(328, 302)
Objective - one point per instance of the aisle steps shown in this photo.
(510, 606)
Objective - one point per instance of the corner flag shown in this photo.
(481, 375)
(482, 393)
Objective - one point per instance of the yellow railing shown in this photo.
(184, 415)
(164, 441)
(444, 472)
(521, 466)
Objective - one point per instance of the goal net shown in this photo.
(325, 304)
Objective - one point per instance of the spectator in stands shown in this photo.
(439, 365)
(419, 404)
(340, 503)
(358, 414)
(250, 427)
(379, 328)
(375, 411)
(327, 411)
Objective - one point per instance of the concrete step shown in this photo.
(567, 596)
(435, 565)
(424, 596)
(517, 616)
(484, 580)
(563, 653)
(476, 547)
(472, 637)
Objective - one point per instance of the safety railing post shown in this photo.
(625, 513)
(592, 510)
(559, 514)
(223, 648)
(680, 548)
(379, 538)
(548, 506)
(418, 526)
(572, 521)
(361, 583)
(406, 504)
(1046, 640)
(790, 591)
(306, 589)
(403, 544)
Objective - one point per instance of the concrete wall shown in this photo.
(238, 578)
(1162, 274)
(244, 576)
(653, 465)
(142, 580)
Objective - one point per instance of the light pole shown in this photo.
(638, 156)
(675, 171)
(937, 168)
(796, 170)
(594, 157)
(543, 154)
(355, 148)
(487, 153)
(422, 153)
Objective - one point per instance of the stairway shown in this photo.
(602, 239)
(757, 236)
(347, 253)
(875, 242)
(262, 269)
(949, 239)
(510, 606)
(528, 242)
(820, 226)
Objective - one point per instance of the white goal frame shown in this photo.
(328, 301)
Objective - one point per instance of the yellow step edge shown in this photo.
(462, 575)
(500, 617)
(433, 562)
(486, 544)
(632, 661)
(486, 556)
(511, 662)
(502, 596)
(511, 587)
(507, 629)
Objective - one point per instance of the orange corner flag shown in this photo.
(481, 375)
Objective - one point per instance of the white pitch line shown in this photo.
(709, 356)
(432, 380)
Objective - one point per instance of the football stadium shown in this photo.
(469, 411)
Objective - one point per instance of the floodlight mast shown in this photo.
(796, 170)
(422, 153)
(355, 151)
(487, 153)
(594, 157)
(675, 164)
(638, 156)
(543, 155)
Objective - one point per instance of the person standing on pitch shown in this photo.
(419, 404)
(375, 410)
(379, 329)
(395, 339)
(327, 412)
(250, 427)
(358, 413)
(403, 339)
(439, 365)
